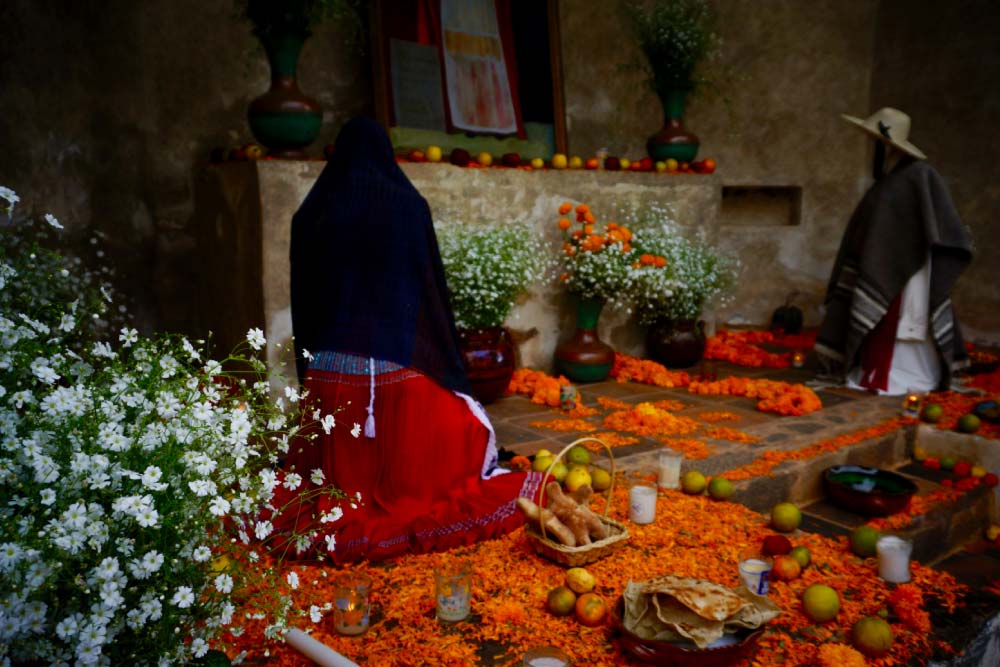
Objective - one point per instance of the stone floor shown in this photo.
(949, 538)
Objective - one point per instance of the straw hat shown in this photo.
(889, 125)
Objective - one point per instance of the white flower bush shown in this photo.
(133, 473)
(487, 267)
(692, 271)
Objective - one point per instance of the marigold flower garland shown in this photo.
(692, 536)
(955, 404)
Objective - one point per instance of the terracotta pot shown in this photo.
(676, 343)
(488, 354)
(284, 119)
(585, 357)
(673, 140)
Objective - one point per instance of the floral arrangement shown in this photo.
(132, 472)
(676, 37)
(488, 267)
(675, 276)
(596, 262)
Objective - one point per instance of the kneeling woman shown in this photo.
(376, 344)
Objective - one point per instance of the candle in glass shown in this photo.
(670, 469)
(798, 359)
(351, 611)
(894, 559)
(911, 404)
(453, 590)
(642, 504)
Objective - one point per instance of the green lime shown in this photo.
(932, 413)
(968, 423)
(720, 488)
(863, 541)
(578, 454)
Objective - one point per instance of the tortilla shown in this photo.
(709, 600)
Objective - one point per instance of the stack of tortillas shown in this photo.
(678, 609)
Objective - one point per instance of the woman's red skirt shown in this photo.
(419, 479)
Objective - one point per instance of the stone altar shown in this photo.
(244, 211)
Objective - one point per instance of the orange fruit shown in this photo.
(562, 601)
(785, 568)
(590, 609)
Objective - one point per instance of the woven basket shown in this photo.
(587, 553)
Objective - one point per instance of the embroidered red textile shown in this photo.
(419, 477)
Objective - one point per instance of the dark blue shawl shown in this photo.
(366, 272)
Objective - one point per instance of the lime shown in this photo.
(863, 541)
(968, 423)
(578, 454)
(872, 636)
(948, 462)
(600, 479)
(785, 517)
(931, 413)
(802, 555)
(562, 601)
(559, 471)
(541, 463)
(820, 602)
(720, 488)
(693, 482)
(576, 478)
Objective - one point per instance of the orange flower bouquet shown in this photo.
(596, 260)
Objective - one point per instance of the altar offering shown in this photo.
(642, 504)
(894, 559)
(351, 609)
(755, 571)
(670, 469)
(453, 590)
(545, 656)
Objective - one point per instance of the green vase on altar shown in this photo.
(284, 119)
(673, 140)
(584, 357)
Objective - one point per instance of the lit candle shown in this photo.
(798, 359)
(911, 404)
(642, 504)
(670, 469)
(351, 611)
(567, 397)
(453, 591)
(894, 559)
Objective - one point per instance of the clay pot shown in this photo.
(676, 343)
(585, 357)
(488, 354)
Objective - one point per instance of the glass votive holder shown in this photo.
(670, 469)
(755, 572)
(545, 656)
(567, 397)
(912, 402)
(894, 558)
(453, 590)
(642, 503)
(351, 609)
(798, 359)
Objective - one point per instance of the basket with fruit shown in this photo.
(564, 529)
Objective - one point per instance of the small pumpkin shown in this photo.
(788, 317)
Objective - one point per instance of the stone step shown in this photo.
(947, 527)
(801, 482)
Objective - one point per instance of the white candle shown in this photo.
(798, 359)
(756, 572)
(894, 559)
(670, 469)
(642, 504)
(318, 652)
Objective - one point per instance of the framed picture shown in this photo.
(477, 74)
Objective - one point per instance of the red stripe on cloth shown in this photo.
(877, 348)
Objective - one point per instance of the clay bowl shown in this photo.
(868, 491)
(685, 654)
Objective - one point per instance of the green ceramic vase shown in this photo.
(284, 119)
(673, 140)
(585, 357)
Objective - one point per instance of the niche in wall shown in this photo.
(761, 205)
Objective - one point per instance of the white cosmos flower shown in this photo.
(317, 477)
(332, 515)
(293, 480)
(255, 337)
(219, 506)
(183, 597)
(128, 337)
(315, 614)
(331, 543)
(51, 219)
(201, 554)
(292, 579)
(224, 583)
(356, 430)
(328, 423)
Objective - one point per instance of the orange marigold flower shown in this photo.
(659, 262)
(588, 229)
(646, 259)
(839, 655)
(564, 223)
(565, 208)
(612, 226)
(582, 209)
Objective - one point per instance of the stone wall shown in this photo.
(954, 102)
(244, 215)
(109, 110)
